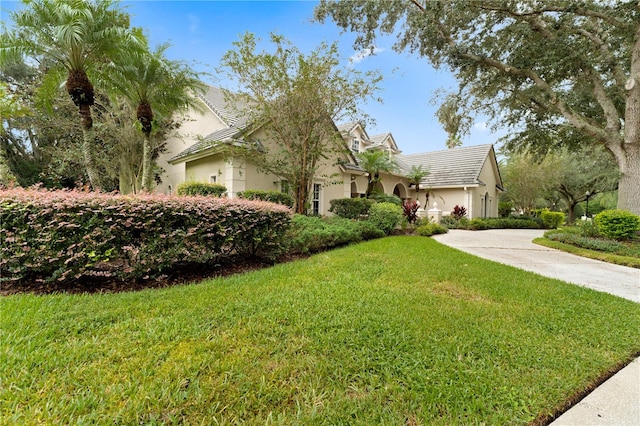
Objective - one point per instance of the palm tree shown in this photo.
(153, 84)
(77, 36)
(415, 176)
(374, 163)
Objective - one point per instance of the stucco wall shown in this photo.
(194, 124)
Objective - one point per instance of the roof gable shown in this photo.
(451, 167)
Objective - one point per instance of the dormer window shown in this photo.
(355, 145)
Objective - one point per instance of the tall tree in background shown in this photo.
(583, 174)
(564, 175)
(76, 36)
(296, 99)
(375, 162)
(527, 180)
(153, 85)
(562, 70)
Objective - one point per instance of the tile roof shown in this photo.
(451, 167)
(237, 124)
(378, 139)
(214, 98)
(347, 127)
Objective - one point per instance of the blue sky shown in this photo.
(200, 32)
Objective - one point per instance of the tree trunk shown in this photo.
(147, 167)
(125, 178)
(629, 183)
(572, 212)
(90, 165)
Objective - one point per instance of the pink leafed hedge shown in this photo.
(64, 235)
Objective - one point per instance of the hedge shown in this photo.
(271, 196)
(385, 216)
(312, 234)
(617, 224)
(351, 208)
(202, 188)
(551, 220)
(64, 235)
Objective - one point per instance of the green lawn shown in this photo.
(400, 330)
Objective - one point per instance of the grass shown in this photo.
(400, 330)
(618, 259)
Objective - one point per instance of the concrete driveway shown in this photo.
(514, 247)
(616, 401)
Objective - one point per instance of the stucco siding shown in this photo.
(194, 124)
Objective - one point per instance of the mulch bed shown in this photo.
(183, 275)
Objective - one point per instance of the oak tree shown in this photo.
(555, 70)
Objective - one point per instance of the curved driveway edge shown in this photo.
(616, 401)
(514, 247)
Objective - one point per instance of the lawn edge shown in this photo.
(546, 419)
(631, 262)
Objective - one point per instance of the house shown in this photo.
(466, 177)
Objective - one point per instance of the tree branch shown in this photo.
(607, 105)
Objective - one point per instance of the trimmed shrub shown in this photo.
(429, 229)
(312, 234)
(552, 220)
(380, 197)
(577, 240)
(477, 224)
(385, 216)
(617, 224)
(202, 188)
(368, 230)
(65, 235)
(451, 222)
(270, 196)
(351, 208)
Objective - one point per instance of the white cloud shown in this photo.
(194, 23)
(481, 125)
(364, 54)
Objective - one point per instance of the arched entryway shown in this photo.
(400, 191)
(354, 190)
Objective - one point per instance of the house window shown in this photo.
(213, 179)
(355, 145)
(315, 202)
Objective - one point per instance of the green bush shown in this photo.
(552, 220)
(311, 234)
(505, 208)
(429, 229)
(617, 224)
(587, 228)
(368, 230)
(610, 246)
(450, 222)
(202, 188)
(350, 208)
(480, 223)
(270, 196)
(477, 224)
(380, 197)
(385, 216)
